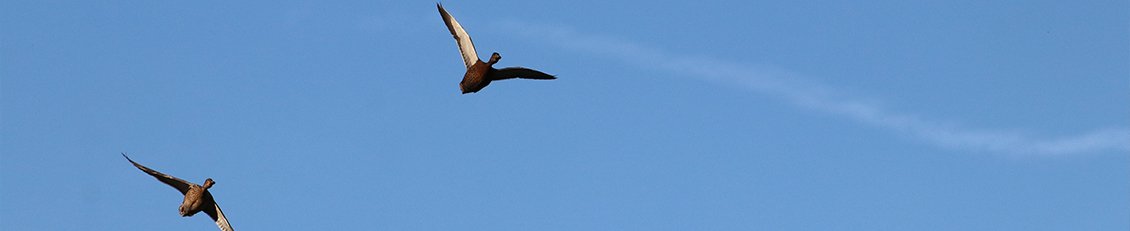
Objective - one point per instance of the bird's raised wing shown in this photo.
(519, 72)
(179, 184)
(461, 37)
(217, 214)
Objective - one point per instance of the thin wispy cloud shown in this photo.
(787, 87)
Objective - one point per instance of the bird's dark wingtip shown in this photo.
(130, 160)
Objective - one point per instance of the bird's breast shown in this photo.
(475, 78)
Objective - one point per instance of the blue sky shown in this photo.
(692, 115)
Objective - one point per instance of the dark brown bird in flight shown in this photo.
(479, 74)
(196, 197)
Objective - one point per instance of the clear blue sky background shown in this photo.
(679, 115)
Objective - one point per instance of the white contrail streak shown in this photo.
(815, 96)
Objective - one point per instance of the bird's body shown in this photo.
(475, 77)
(479, 74)
(196, 197)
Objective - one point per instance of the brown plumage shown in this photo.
(479, 74)
(196, 197)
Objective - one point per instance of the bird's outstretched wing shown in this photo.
(519, 72)
(461, 37)
(217, 214)
(179, 184)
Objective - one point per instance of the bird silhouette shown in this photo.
(479, 74)
(196, 197)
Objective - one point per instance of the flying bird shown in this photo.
(196, 197)
(480, 74)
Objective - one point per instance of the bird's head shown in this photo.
(208, 183)
(494, 58)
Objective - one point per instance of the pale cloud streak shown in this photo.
(786, 86)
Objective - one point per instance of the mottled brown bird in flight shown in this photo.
(196, 197)
(479, 74)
